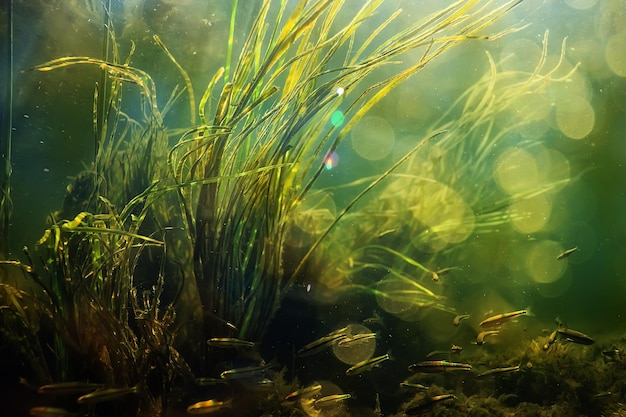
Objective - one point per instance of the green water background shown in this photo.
(53, 141)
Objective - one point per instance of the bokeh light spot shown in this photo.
(516, 171)
(331, 160)
(555, 168)
(530, 215)
(556, 288)
(389, 296)
(542, 264)
(337, 118)
(615, 54)
(356, 352)
(445, 214)
(531, 107)
(328, 388)
(313, 215)
(372, 138)
(575, 117)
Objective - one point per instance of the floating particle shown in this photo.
(340, 91)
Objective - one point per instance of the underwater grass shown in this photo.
(211, 214)
(246, 138)
(457, 157)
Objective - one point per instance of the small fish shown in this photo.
(413, 386)
(551, 339)
(208, 407)
(331, 400)
(375, 319)
(458, 319)
(229, 342)
(612, 355)
(386, 232)
(265, 383)
(480, 338)
(322, 343)
(453, 349)
(51, 412)
(566, 253)
(245, 372)
(356, 339)
(304, 392)
(439, 366)
(604, 394)
(207, 382)
(497, 371)
(68, 388)
(437, 353)
(367, 364)
(502, 318)
(575, 336)
(438, 274)
(427, 402)
(107, 394)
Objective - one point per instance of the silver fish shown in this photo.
(575, 336)
(499, 319)
(108, 394)
(322, 343)
(304, 392)
(367, 364)
(68, 388)
(244, 373)
(331, 400)
(497, 371)
(208, 407)
(439, 366)
(566, 253)
(229, 342)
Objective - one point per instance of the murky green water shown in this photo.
(484, 193)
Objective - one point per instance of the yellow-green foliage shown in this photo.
(211, 215)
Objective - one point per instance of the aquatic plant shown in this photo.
(264, 150)
(398, 249)
(210, 216)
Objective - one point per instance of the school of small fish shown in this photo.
(315, 396)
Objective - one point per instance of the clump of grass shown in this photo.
(448, 194)
(210, 216)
